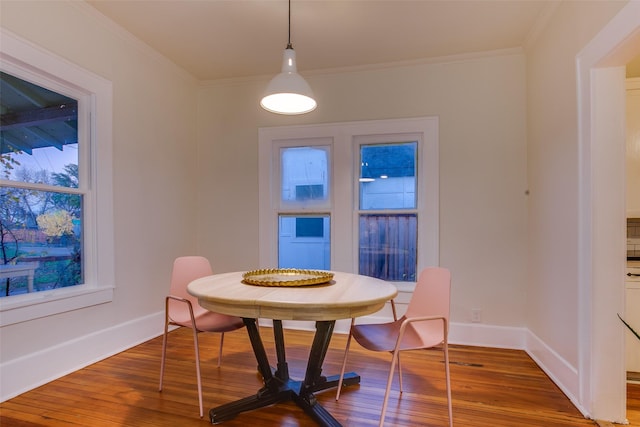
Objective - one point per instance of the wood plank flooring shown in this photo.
(490, 388)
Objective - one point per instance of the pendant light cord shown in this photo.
(289, 46)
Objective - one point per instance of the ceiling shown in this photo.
(218, 39)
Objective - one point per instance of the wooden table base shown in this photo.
(278, 386)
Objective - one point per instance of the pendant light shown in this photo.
(288, 92)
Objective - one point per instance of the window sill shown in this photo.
(21, 308)
(405, 286)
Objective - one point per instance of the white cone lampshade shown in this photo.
(288, 92)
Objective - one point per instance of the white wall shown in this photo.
(154, 157)
(555, 283)
(481, 107)
(520, 276)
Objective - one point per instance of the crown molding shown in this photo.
(129, 38)
(465, 57)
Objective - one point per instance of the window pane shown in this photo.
(40, 240)
(39, 138)
(304, 174)
(388, 176)
(304, 242)
(387, 247)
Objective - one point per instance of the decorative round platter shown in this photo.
(286, 277)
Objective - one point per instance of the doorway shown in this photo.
(632, 280)
(602, 228)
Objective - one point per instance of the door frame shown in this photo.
(601, 90)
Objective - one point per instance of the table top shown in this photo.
(346, 296)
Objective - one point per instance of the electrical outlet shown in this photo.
(476, 315)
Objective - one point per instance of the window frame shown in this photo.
(29, 62)
(420, 183)
(344, 208)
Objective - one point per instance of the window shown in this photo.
(304, 238)
(304, 175)
(304, 242)
(41, 220)
(387, 244)
(357, 197)
(53, 191)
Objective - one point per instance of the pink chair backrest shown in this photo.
(185, 270)
(432, 294)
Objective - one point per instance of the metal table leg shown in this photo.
(278, 386)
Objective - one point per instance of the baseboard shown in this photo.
(561, 372)
(26, 373)
(482, 335)
(475, 334)
(20, 375)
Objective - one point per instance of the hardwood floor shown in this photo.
(490, 388)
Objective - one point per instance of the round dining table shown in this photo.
(344, 296)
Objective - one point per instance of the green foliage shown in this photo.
(22, 210)
(7, 161)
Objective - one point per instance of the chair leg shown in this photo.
(394, 360)
(395, 317)
(344, 361)
(220, 349)
(197, 351)
(164, 351)
(400, 373)
(448, 380)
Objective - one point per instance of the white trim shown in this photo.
(130, 39)
(487, 335)
(21, 308)
(324, 144)
(561, 372)
(17, 53)
(35, 369)
(471, 334)
(426, 194)
(342, 136)
(601, 385)
(633, 90)
(448, 59)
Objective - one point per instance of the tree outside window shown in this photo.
(41, 206)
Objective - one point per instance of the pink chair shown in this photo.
(182, 309)
(425, 325)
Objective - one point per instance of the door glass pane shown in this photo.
(304, 174)
(388, 176)
(304, 241)
(388, 246)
